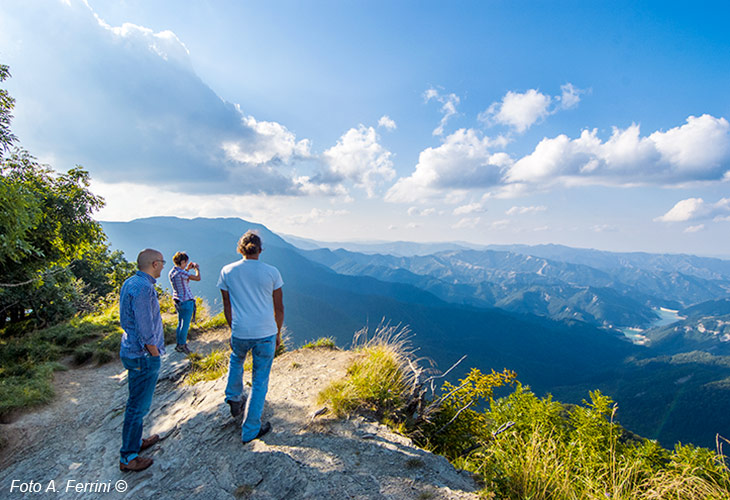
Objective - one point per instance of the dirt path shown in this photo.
(75, 440)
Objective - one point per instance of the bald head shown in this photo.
(151, 262)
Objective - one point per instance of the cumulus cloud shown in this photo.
(471, 208)
(521, 110)
(273, 142)
(359, 158)
(525, 210)
(464, 161)
(133, 108)
(699, 150)
(448, 106)
(386, 122)
(693, 209)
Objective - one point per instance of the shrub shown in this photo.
(210, 367)
(377, 381)
(326, 342)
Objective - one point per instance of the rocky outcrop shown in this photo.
(72, 445)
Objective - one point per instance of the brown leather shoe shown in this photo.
(149, 441)
(135, 465)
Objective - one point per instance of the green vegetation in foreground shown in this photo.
(523, 446)
(210, 367)
(326, 342)
(27, 362)
(377, 381)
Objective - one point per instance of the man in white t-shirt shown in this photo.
(254, 309)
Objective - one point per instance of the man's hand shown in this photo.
(278, 340)
(152, 349)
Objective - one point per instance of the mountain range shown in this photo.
(554, 315)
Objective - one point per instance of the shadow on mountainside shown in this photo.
(77, 438)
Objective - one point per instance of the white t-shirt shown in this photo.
(250, 284)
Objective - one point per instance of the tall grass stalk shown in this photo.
(210, 367)
(378, 381)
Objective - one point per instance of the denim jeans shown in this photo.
(262, 351)
(184, 315)
(141, 378)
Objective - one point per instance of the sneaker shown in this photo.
(264, 430)
(149, 441)
(237, 407)
(135, 465)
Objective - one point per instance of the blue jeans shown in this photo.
(184, 315)
(262, 351)
(141, 378)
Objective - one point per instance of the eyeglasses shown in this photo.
(160, 260)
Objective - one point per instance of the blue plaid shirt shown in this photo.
(180, 279)
(139, 315)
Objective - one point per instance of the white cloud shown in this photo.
(519, 111)
(467, 223)
(316, 216)
(603, 228)
(448, 107)
(358, 157)
(694, 229)
(425, 212)
(386, 122)
(462, 162)
(570, 97)
(499, 224)
(273, 142)
(525, 210)
(307, 186)
(699, 150)
(509, 191)
(696, 209)
(471, 208)
(158, 201)
(165, 43)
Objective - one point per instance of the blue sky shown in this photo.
(601, 125)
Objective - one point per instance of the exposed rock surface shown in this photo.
(77, 438)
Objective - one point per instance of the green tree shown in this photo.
(52, 252)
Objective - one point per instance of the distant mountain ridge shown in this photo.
(609, 296)
(396, 248)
